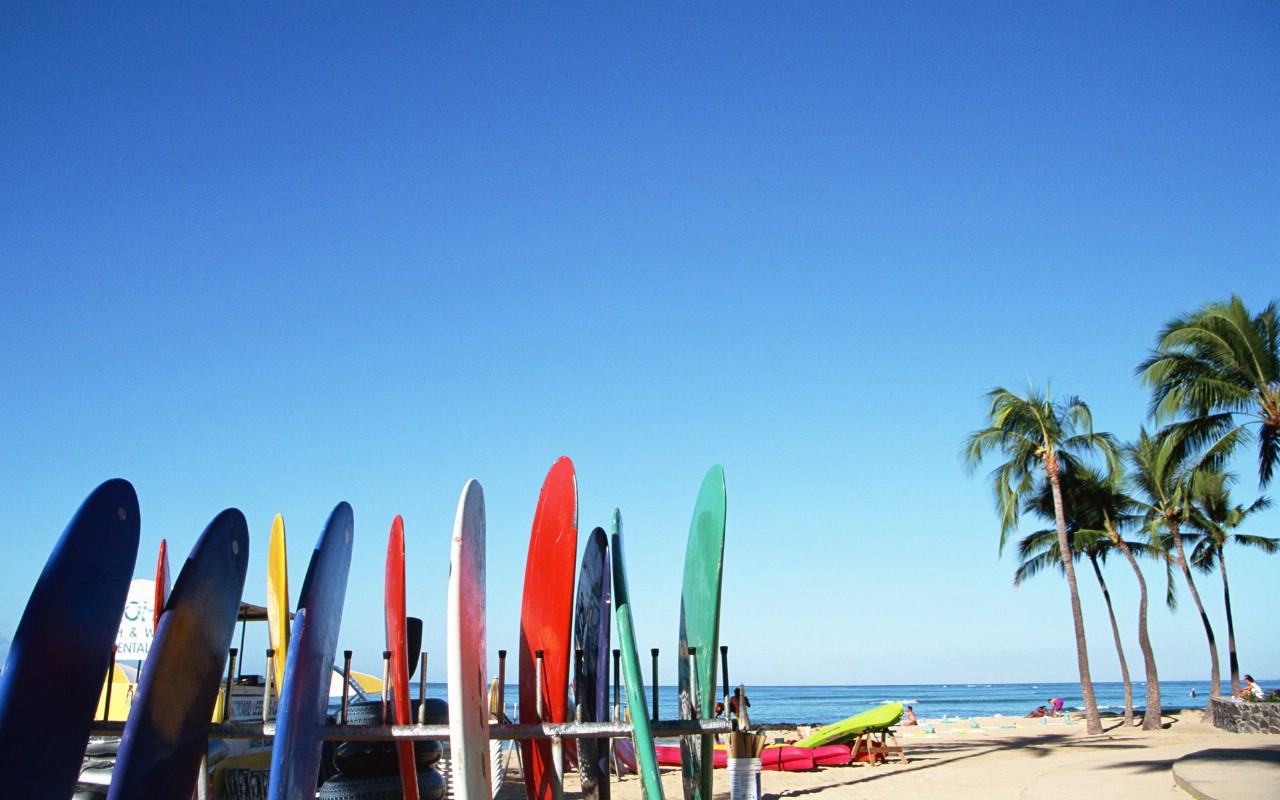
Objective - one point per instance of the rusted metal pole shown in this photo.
(502, 681)
(386, 682)
(577, 684)
(266, 689)
(231, 671)
(346, 681)
(111, 679)
(724, 668)
(537, 684)
(695, 709)
(653, 653)
(422, 691)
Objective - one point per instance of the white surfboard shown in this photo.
(468, 698)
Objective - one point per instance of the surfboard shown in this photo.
(591, 622)
(162, 586)
(278, 600)
(650, 778)
(295, 753)
(472, 762)
(168, 729)
(546, 617)
(849, 727)
(61, 651)
(700, 629)
(398, 646)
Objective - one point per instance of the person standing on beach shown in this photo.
(1056, 705)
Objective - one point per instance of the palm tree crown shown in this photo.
(1219, 367)
(1033, 433)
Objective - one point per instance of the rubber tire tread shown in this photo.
(431, 786)
(369, 712)
(360, 759)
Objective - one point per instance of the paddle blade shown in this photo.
(413, 632)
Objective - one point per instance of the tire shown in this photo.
(431, 786)
(369, 712)
(361, 759)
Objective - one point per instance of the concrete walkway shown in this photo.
(1230, 774)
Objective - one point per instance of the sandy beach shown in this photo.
(1002, 757)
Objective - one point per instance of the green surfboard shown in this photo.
(700, 630)
(844, 730)
(646, 756)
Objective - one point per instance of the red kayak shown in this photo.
(832, 755)
(774, 757)
(669, 756)
(787, 758)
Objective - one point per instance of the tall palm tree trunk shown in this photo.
(1093, 723)
(1151, 716)
(1115, 632)
(1215, 675)
(1232, 660)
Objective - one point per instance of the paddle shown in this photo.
(413, 632)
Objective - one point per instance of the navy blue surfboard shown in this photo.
(591, 636)
(295, 753)
(168, 727)
(61, 651)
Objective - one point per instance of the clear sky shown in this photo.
(274, 257)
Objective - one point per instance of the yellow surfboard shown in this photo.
(278, 599)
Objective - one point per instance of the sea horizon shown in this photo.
(784, 704)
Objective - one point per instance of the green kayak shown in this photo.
(837, 732)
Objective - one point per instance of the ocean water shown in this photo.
(824, 704)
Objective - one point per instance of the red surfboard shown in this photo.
(398, 644)
(162, 585)
(546, 621)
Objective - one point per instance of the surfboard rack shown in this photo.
(546, 730)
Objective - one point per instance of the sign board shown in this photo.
(133, 641)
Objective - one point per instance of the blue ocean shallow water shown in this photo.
(824, 704)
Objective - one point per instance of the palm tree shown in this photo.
(1213, 518)
(1162, 470)
(1219, 367)
(1096, 508)
(1036, 433)
(1039, 551)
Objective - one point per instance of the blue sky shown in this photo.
(274, 258)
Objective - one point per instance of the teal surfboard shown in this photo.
(700, 630)
(650, 777)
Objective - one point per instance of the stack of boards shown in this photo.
(67, 630)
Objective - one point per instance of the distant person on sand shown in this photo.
(1056, 705)
(733, 705)
(1251, 689)
(1040, 711)
(910, 717)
